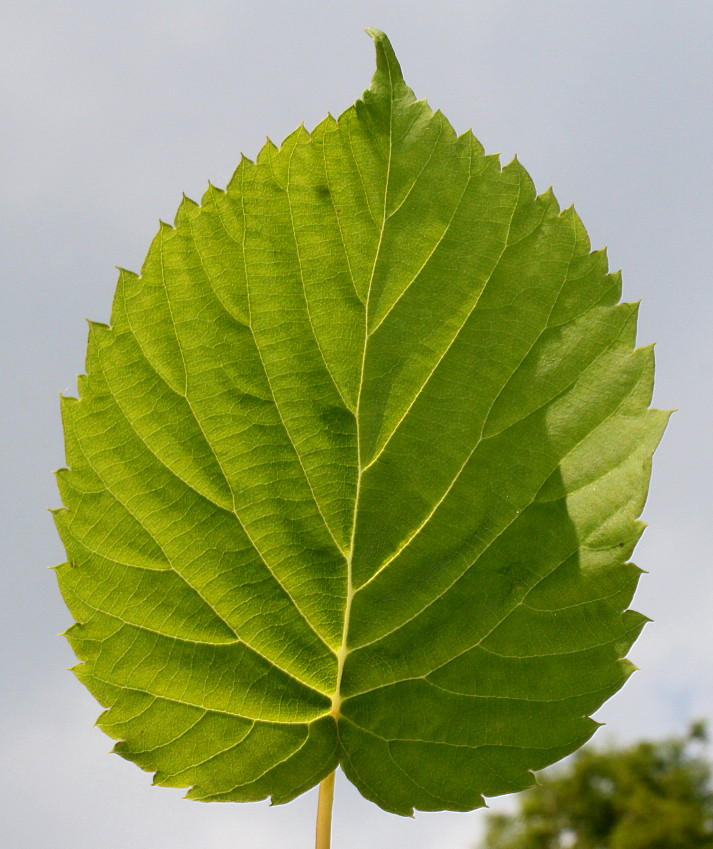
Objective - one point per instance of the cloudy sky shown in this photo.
(109, 110)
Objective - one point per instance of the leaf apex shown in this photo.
(386, 60)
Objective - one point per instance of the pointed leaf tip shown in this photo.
(386, 60)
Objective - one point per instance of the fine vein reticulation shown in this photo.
(355, 474)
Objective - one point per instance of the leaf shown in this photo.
(355, 474)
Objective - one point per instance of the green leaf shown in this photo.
(356, 472)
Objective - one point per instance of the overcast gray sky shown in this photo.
(109, 110)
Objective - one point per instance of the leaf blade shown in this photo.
(356, 472)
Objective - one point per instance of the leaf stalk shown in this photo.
(324, 813)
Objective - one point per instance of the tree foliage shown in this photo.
(651, 795)
(355, 474)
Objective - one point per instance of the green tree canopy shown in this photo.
(651, 795)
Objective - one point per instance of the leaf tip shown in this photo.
(386, 61)
(376, 35)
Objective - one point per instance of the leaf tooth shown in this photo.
(97, 326)
(629, 666)
(527, 185)
(211, 194)
(601, 254)
(125, 272)
(235, 182)
(301, 135)
(329, 122)
(268, 149)
(549, 199)
(468, 138)
(571, 215)
(66, 401)
(127, 286)
(186, 209)
(449, 133)
(98, 331)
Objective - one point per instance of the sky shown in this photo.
(110, 110)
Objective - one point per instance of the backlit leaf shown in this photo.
(356, 472)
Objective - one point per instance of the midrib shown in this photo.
(343, 651)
